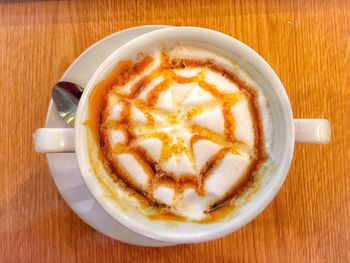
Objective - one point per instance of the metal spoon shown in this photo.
(66, 97)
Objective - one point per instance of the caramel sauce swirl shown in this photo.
(100, 123)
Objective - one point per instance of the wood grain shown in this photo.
(306, 42)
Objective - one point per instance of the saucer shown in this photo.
(64, 166)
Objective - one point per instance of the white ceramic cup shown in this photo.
(286, 131)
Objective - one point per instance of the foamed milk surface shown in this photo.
(178, 99)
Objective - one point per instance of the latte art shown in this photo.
(180, 130)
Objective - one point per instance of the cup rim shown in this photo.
(228, 227)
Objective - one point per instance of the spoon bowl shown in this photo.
(66, 96)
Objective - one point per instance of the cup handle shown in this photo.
(54, 140)
(314, 131)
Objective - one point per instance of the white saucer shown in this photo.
(64, 166)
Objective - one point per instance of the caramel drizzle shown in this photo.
(157, 175)
(153, 95)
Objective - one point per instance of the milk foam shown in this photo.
(186, 159)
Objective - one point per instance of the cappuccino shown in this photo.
(180, 130)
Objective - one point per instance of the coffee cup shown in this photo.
(286, 132)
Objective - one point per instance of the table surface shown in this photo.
(306, 42)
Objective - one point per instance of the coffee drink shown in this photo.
(180, 129)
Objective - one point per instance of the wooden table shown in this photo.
(306, 42)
